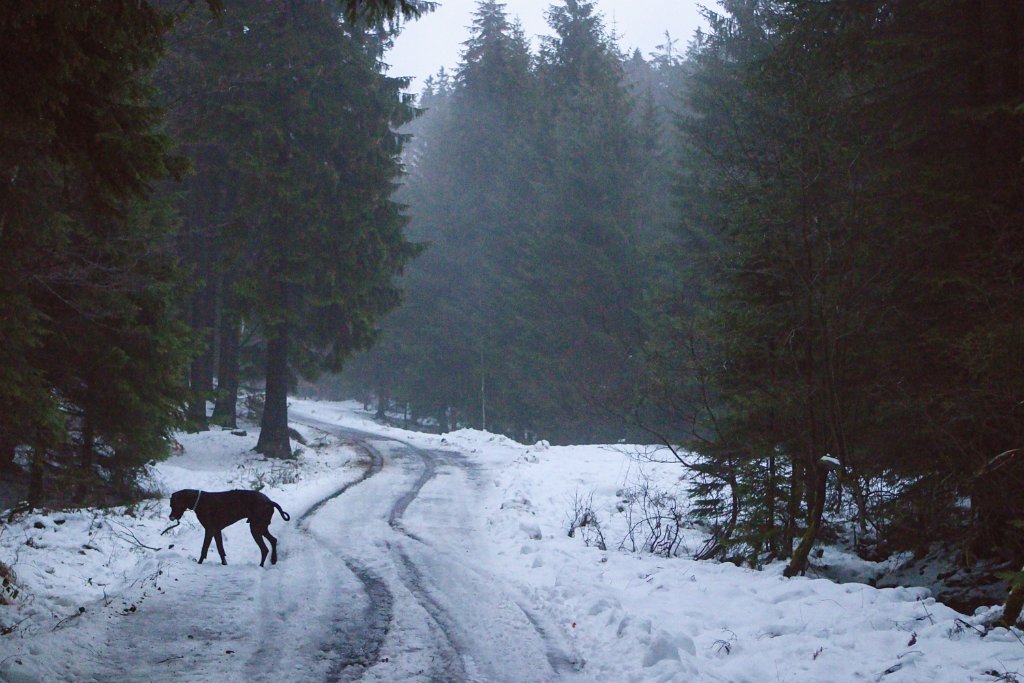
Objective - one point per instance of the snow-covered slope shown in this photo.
(502, 516)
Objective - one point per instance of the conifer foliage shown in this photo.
(841, 314)
(293, 125)
(90, 356)
(95, 248)
(523, 181)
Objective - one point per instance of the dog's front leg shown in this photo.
(206, 545)
(220, 546)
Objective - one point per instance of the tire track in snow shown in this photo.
(453, 651)
(559, 661)
(452, 666)
(400, 506)
(449, 662)
(375, 466)
(359, 647)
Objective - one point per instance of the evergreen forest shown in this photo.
(782, 249)
(190, 191)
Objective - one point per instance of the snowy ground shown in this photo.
(444, 558)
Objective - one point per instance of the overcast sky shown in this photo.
(436, 40)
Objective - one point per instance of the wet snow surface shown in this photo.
(413, 557)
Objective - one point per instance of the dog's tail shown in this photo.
(284, 515)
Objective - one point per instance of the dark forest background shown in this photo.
(788, 250)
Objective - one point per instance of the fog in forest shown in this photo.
(782, 241)
(785, 250)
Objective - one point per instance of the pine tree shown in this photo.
(469, 189)
(83, 276)
(844, 278)
(524, 182)
(90, 358)
(582, 285)
(322, 237)
(790, 274)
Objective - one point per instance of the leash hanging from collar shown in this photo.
(178, 521)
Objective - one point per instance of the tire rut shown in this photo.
(375, 466)
(360, 646)
(360, 657)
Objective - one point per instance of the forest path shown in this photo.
(420, 528)
(381, 580)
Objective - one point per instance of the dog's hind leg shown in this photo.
(273, 546)
(220, 546)
(206, 545)
(257, 535)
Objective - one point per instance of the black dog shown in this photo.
(216, 511)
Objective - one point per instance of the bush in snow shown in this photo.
(584, 520)
(655, 520)
(8, 585)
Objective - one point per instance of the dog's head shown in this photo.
(180, 501)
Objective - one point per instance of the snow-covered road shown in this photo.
(419, 557)
(365, 591)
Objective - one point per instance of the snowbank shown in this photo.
(107, 563)
(628, 615)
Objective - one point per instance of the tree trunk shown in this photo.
(35, 482)
(7, 453)
(796, 493)
(201, 370)
(203, 319)
(1014, 603)
(771, 532)
(798, 563)
(273, 441)
(87, 457)
(225, 410)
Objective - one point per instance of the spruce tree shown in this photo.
(316, 161)
(583, 283)
(789, 272)
(445, 352)
(84, 275)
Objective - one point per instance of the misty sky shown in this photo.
(436, 40)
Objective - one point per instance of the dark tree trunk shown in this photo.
(204, 317)
(87, 446)
(770, 530)
(35, 481)
(225, 410)
(798, 563)
(1013, 606)
(796, 493)
(202, 249)
(7, 452)
(273, 440)
(87, 458)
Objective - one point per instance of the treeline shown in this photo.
(849, 274)
(534, 181)
(794, 256)
(174, 179)
(846, 325)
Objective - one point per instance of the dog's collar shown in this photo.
(195, 505)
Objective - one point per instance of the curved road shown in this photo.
(383, 582)
(442, 617)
